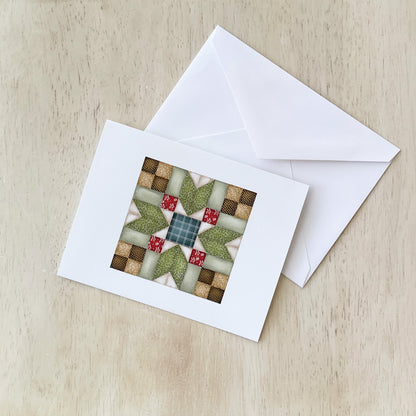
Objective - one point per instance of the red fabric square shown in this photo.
(169, 202)
(211, 216)
(155, 244)
(197, 257)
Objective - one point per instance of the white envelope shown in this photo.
(234, 102)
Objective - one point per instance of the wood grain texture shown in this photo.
(343, 345)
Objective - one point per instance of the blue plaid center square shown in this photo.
(183, 230)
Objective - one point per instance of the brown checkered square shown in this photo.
(206, 276)
(128, 258)
(159, 184)
(150, 165)
(119, 262)
(211, 285)
(215, 294)
(164, 170)
(137, 253)
(133, 267)
(202, 289)
(247, 197)
(145, 179)
(123, 249)
(155, 175)
(220, 281)
(229, 207)
(243, 211)
(238, 202)
(234, 193)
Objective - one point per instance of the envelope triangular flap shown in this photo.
(201, 102)
(285, 118)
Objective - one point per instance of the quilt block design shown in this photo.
(183, 230)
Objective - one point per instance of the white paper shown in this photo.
(106, 200)
(234, 102)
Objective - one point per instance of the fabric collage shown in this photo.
(183, 230)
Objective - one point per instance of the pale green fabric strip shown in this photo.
(217, 196)
(218, 265)
(149, 264)
(175, 181)
(190, 278)
(134, 237)
(231, 223)
(148, 195)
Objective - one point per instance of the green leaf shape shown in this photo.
(173, 261)
(151, 221)
(214, 240)
(192, 198)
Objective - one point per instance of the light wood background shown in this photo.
(345, 344)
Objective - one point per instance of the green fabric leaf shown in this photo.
(214, 240)
(173, 261)
(152, 219)
(192, 198)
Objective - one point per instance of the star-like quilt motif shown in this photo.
(183, 230)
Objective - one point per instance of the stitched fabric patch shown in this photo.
(183, 230)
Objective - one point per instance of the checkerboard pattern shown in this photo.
(155, 175)
(183, 230)
(128, 258)
(238, 202)
(211, 285)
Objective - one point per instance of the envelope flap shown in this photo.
(285, 118)
(201, 102)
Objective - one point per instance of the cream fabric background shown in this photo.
(345, 344)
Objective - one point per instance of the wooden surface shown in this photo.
(345, 344)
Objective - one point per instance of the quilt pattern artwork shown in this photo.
(183, 230)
